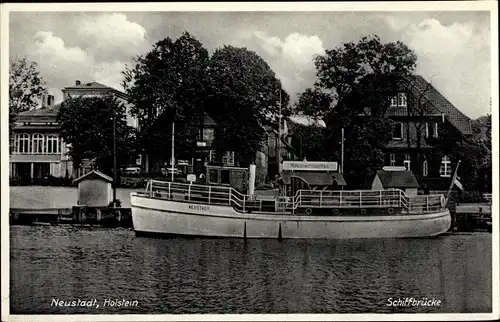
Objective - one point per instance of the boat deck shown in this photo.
(304, 201)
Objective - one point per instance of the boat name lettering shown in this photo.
(202, 208)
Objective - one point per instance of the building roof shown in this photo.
(95, 86)
(397, 179)
(442, 105)
(47, 115)
(91, 85)
(94, 175)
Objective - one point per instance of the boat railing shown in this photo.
(221, 195)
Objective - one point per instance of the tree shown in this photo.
(308, 142)
(26, 88)
(166, 85)
(87, 126)
(358, 78)
(243, 97)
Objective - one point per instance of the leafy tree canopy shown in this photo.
(87, 126)
(243, 97)
(167, 84)
(26, 88)
(356, 79)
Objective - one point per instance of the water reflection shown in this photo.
(236, 276)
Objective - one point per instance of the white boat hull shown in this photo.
(152, 216)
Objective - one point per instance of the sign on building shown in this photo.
(309, 166)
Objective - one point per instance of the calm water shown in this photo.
(233, 276)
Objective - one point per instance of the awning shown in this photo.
(314, 178)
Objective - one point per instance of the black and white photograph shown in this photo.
(239, 161)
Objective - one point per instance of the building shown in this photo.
(422, 115)
(38, 151)
(94, 89)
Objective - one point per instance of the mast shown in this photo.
(342, 153)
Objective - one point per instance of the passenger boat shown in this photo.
(191, 210)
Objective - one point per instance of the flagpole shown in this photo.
(342, 154)
(452, 183)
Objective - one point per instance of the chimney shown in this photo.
(78, 82)
(44, 101)
(50, 101)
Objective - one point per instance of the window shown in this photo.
(435, 130)
(392, 159)
(398, 100)
(401, 99)
(52, 144)
(425, 168)
(23, 143)
(38, 146)
(212, 176)
(211, 156)
(398, 131)
(426, 130)
(138, 160)
(224, 177)
(407, 162)
(208, 135)
(445, 168)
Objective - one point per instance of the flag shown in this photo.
(458, 184)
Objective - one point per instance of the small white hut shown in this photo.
(396, 178)
(94, 189)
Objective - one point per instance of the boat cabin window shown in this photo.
(224, 176)
(212, 176)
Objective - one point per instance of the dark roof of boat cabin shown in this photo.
(314, 178)
(397, 179)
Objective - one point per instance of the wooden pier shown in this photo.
(77, 215)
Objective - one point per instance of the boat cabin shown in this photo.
(311, 175)
(234, 177)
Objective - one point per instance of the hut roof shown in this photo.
(93, 175)
(398, 179)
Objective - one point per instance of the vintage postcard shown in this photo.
(250, 161)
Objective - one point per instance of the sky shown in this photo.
(453, 47)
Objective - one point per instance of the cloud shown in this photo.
(114, 41)
(291, 58)
(112, 35)
(456, 59)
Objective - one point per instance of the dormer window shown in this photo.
(398, 100)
